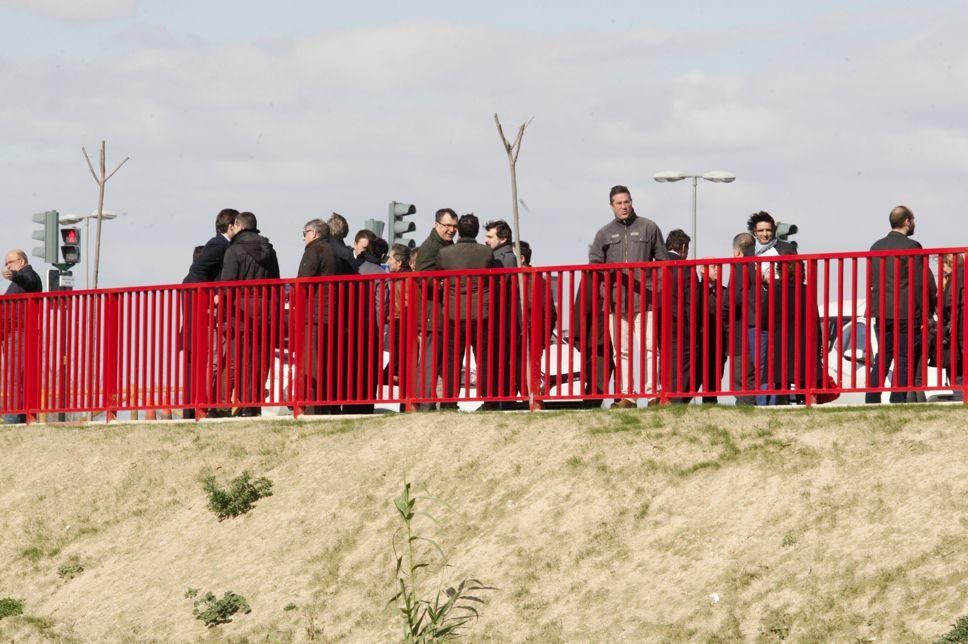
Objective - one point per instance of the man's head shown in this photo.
(743, 244)
(445, 223)
(710, 272)
(525, 253)
(315, 229)
(224, 219)
(244, 221)
(14, 261)
(621, 201)
(762, 225)
(379, 248)
(498, 233)
(399, 258)
(338, 228)
(468, 226)
(902, 220)
(678, 242)
(362, 241)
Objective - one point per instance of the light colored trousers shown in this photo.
(628, 342)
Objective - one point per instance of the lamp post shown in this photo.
(716, 176)
(76, 219)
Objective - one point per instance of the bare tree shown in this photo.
(100, 180)
(513, 150)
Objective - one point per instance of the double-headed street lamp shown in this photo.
(716, 176)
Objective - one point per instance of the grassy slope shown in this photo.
(847, 525)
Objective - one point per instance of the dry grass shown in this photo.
(596, 526)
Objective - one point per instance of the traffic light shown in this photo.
(399, 226)
(47, 235)
(374, 226)
(71, 245)
(784, 231)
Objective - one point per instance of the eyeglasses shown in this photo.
(447, 226)
(307, 231)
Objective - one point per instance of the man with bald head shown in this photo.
(23, 279)
(897, 325)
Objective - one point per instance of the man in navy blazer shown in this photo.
(206, 267)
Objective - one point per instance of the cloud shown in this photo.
(348, 120)
(76, 11)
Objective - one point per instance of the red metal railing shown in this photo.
(810, 326)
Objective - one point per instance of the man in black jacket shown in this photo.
(23, 279)
(431, 348)
(900, 283)
(318, 260)
(206, 267)
(505, 343)
(250, 257)
(346, 262)
(680, 357)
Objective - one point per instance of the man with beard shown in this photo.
(897, 323)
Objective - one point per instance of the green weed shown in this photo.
(70, 569)
(446, 615)
(214, 611)
(10, 607)
(958, 632)
(239, 498)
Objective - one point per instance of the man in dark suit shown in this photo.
(23, 279)
(466, 307)
(206, 267)
(897, 293)
(318, 362)
(679, 358)
(741, 309)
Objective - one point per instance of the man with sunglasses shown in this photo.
(432, 349)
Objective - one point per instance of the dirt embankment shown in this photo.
(657, 525)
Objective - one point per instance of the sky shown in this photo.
(828, 113)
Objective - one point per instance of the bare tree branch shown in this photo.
(89, 166)
(117, 168)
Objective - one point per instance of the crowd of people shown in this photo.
(612, 320)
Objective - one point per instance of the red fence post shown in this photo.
(111, 354)
(33, 363)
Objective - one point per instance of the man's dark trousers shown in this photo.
(901, 330)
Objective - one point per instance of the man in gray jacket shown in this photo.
(629, 238)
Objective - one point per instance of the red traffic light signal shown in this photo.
(71, 245)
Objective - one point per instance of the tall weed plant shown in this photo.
(444, 615)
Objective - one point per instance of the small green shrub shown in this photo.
(288, 607)
(69, 570)
(10, 607)
(214, 611)
(238, 499)
(958, 632)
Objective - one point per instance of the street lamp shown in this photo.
(716, 176)
(76, 219)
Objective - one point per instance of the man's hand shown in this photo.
(7, 274)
